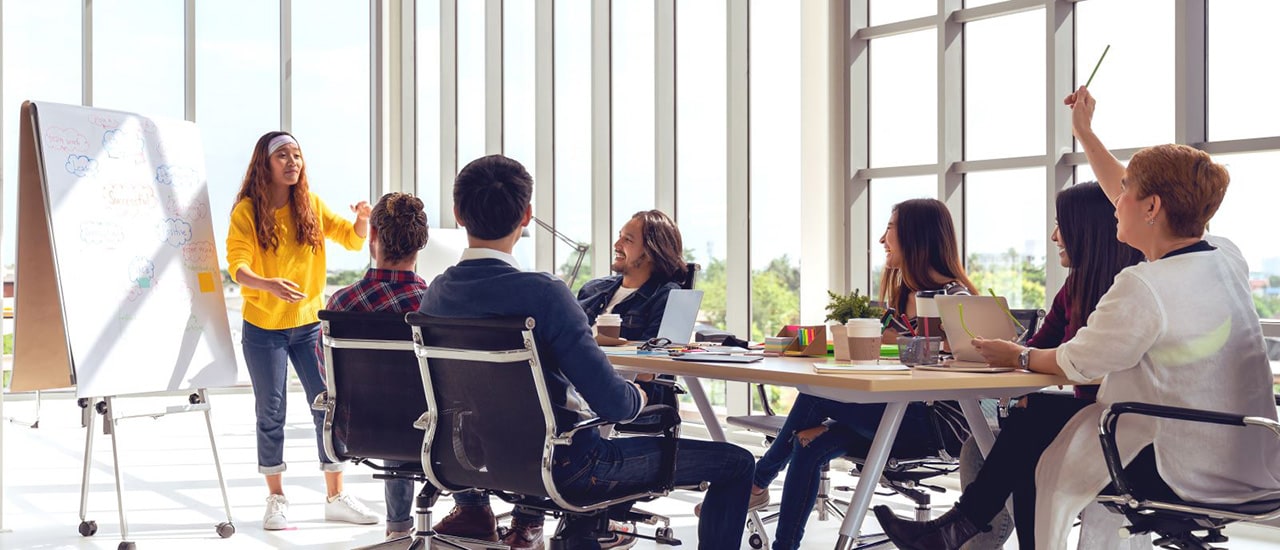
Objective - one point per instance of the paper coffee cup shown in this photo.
(609, 324)
(863, 328)
(864, 340)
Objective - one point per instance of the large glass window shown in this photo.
(885, 194)
(1241, 91)
(238, 92)
(890, 11)
(995, 97)
(775, 166)
(331, 113)
(427, 108)
(701, 145)
(1006, 252)
(41, 63)
(137, 56)
(471, 81)
(633, 153)
(573, 133)
(1245, 213)
(904, 92)
(1134, 84)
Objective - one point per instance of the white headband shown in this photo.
(280, 141)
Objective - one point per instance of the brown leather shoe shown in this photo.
(524, 535)
(949, 532)
(473, 522)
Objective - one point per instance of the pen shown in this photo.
(1098, 64)
(907, 325)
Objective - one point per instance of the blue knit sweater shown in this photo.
(580, 379)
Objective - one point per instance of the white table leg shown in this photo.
(699, 395)
(872, 469)
(978, 426)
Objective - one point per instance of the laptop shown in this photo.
(680, 315)
(967, 317)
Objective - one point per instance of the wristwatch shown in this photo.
(1024, 359)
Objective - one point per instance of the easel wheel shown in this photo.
(88, 528)
(126, 545)
(226, 529)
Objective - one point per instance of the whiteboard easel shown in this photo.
(117, 280)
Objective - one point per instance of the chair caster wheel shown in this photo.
(126, 545)
(226, 529)
(88, 528)
(756, 541)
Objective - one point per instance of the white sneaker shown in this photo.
(344, 507)
(274, 518)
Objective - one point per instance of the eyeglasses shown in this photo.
(655, 344)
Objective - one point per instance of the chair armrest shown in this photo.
(322, 401)
(1111, 416)
(666, 413)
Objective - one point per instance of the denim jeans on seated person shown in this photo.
(267, 354)
(618, 467)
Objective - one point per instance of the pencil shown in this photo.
(1096, 65)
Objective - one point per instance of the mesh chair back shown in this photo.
(691, 272)
(374, 386)
(493, 423)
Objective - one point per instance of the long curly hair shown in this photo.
(256, 187)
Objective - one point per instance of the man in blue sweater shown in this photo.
(492, 201)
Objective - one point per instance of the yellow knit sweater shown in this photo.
(291, 260)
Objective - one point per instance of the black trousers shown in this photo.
(1010, 467)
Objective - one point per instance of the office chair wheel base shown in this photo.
(126, 545)
(88, 528)
(664, 535)
(226, 529)
(756, 541)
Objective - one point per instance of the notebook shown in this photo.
(846, 368)
(717, 358)
(681, 313)
(967, 317)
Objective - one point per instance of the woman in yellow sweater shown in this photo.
(276, 252)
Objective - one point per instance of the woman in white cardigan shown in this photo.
(1178, 330)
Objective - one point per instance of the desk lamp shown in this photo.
(579, 247)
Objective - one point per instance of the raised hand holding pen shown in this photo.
(1082, 104)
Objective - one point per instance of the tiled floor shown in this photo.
(172, 491)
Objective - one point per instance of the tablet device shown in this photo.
(679, 316)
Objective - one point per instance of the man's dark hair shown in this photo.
(491, 195)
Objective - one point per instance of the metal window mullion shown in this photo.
(664, 79)
(379, 101)
(493, 77)
(286, 65)
(448, 108)
(1059, 81)
(737, 188)
(1190, 47)
(86, 53)
(951, 115)
(1000, 9)
(544, 129)
(404, 112)
(601, 138)
(189, 60)
(858, 133)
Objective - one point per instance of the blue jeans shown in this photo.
(616, 467)
(399, 495)
(266, 354)
(851, 433)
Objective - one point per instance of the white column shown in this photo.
(951, 114)
(448, 108)
(857, 201)
(544, 189)
(492, 77)
(1060, 81)
(664, 80)
(601, 138)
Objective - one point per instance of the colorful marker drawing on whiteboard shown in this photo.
(193, 212)
(128, 200)
(101, 234)
(200, 256)
(178, 177)
(125, 145)
(81, 165)
(175, 232)
(141, 268)
(65, 140)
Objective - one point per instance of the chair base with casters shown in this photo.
(503, 438)
(1176, 523)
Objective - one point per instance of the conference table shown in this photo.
(895, 390)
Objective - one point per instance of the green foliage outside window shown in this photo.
(1010, 275)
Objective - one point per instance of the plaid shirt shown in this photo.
(381, 290)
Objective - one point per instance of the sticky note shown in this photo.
(206, 281)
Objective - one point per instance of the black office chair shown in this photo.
(691, 271)
(1157, 510)
(373, 397)
(904, 474)
(501, 437)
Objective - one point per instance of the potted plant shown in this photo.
(841, 308)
